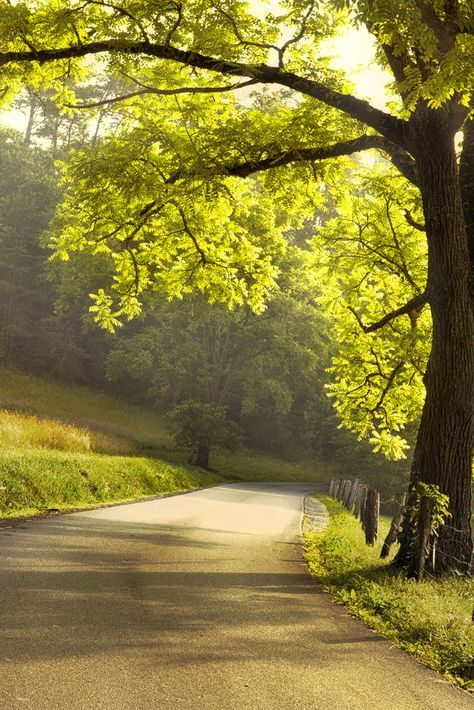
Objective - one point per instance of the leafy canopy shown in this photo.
(161, 195)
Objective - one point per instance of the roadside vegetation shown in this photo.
(43, 481)
(430, 619)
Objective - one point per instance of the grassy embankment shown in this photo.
(430, 619)
(70, 447)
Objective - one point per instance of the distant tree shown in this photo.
(268, 370)
(28, 196)
(201, 427)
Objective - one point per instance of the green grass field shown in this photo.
(430, 619)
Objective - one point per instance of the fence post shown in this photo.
(345, 492)
(395, 524)
(359, 508)
(352, 494)
(371, 516)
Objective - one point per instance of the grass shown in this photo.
(430, 619)
(83, 407)
(21, 431)
(248, 466)
(37, 481)
(64, 447)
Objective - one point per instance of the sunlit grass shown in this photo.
(431, 619)
(82, 406)
(21, 431)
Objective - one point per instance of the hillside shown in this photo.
(66, 446)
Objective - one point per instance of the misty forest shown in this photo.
(208, 214)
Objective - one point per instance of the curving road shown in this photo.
(195, 602)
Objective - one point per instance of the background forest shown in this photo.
(245, 380)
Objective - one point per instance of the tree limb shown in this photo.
(384, 123)
(390, 380)
(297, 155)
(412, 221)
(444, 31)
(305, 155)
(413, 304)
(165, 92)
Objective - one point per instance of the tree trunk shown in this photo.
(202, 456)
(443, 452)
(466, 174)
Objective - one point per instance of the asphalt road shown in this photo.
(196, 602)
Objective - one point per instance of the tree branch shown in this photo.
(414, 304)
(165, 92)
(297, 155)
(384, 123)
(390, 380)
(445, 32)
(305, 155)
(412, 221)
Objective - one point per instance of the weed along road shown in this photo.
(195, 602)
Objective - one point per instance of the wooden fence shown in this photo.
(364, 503)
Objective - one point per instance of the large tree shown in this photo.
(177, 48)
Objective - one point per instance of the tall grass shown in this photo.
(431, 619)
(20, 431)
(82, 406)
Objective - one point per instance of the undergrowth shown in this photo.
(430, 619)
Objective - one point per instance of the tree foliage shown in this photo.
(372, 258)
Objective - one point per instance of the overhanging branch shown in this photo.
(305, 155)
(384, 123)
(414, 304)
(299, 155)
(165, 92)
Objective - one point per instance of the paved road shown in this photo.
(196, 602)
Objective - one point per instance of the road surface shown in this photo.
(195, 602)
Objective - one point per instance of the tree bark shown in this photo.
(466, 175)
(443, 452)
(202, 456)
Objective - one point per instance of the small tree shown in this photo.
(200, 427)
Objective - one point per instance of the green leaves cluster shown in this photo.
(372, 262)
(430, 43)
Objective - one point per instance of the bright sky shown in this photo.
(354, 52)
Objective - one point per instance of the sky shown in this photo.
(354, 52)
